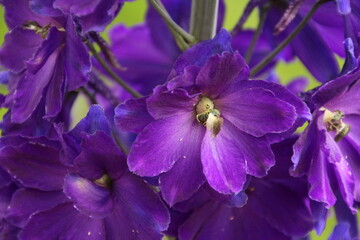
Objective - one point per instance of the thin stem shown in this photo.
(113, 75)
(247, 11)
(287, 40)
(119, 143)
(89, 95)
(167, 18)
(204, 16)
(257, 34)
(178, 39)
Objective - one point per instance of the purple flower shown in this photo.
(53, 61)
(328, 150)
(102, 199)
(45, 49)
(208, 124)
(145, 71)
(317, 42)
(277, 207)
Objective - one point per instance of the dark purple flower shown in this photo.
(102, 199)
(209, 123)
(328, 150)
(277, 207)
(317, 42)
(53, 61)
(145, 71)
(45, 49)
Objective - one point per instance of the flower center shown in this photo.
(209, 116)
(40, 30)
(334, 123)
(104, 181)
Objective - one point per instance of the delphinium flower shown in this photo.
(327, 152)
(46, 51)
(95, 198)
(145, 71)
(208, 123)
(319, 39)
(273, 207)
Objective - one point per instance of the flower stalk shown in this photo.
(113, 75)
(204, 16)
(159, 7)
(286, 41)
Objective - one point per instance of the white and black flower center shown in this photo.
(334, 123)
(208, 115)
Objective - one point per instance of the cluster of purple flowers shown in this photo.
(181, 138)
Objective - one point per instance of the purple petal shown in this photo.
(63, 222)
(351, 153)
(346, 181)
(40, 70)
(317, 57)
(345, 215)
(220, 72)
(318, 176)
(298, 85)
(341, 232)
(103, 14)
(139, 212)
(320, 216)
(228, 157)
(44, 8)
(186, 80)
(77, 59)
(284, 207)
(95, 120)
(142, 70)
(334, 90)
(132, 115)
(76, 7)
(199, 54)
(34, 165)
(161, 144)
(186, 176)
(9, 232)
(19, 46)
(6, 193)
(280, 92)
(55, 91)
(257, 111)
(215, 221)
(5, 178)
(167, 104)
(305, 150)
(345, 101)
(223, 164)
(100, 155)
(89, 198)
(26, 201)
(18, 12)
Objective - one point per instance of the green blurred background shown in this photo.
(134, 12)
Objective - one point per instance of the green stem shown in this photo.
(113, 75)
(257, 34)
(157, 5)
(204, 16)
(287, 40)
(91, 97)
(120, 144)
